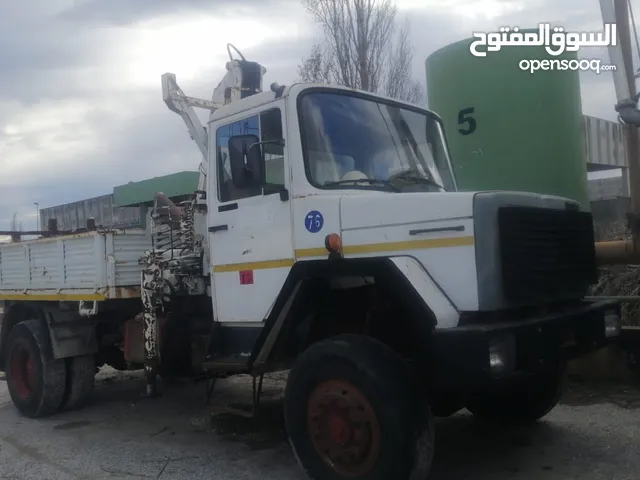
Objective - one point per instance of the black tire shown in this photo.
(394, 422)
(81, 373)
(525, 402)
(36, 380)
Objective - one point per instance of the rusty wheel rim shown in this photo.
(23, 372)
(343, 427)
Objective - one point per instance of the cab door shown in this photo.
(250, 240)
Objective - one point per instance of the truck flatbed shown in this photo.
(91, 266)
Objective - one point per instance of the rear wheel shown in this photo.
(351, 412)
(81, 373)
(35, 380)
(525, 402)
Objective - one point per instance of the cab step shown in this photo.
(255, 396)
(226, 365)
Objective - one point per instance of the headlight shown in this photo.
(502, 355)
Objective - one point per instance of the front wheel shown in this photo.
(525, 402)
(351, 412)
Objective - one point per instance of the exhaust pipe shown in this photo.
(167, 212)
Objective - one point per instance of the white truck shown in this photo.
(327, 238)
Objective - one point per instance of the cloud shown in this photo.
(126, 12)
(80, 102)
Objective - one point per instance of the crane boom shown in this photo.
(179, 103)
(243, 78)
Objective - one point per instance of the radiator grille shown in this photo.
(546, 254)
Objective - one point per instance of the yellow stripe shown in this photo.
(237, 267)
(348, 250)
(391, 246)
(409, 245)
(56, 297)
(311, 252)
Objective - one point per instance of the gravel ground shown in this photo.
(591, 435)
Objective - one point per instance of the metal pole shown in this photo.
(38, 228)
(622, 298)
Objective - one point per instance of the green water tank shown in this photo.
(510, 129)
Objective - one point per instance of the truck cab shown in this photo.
(291, 169)
(328, 175)
(334, 220)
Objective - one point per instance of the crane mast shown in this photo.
(176, 262)
(243, 79)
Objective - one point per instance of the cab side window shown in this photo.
(268, 128)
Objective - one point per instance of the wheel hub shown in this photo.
(339, 429)
(343, 427)
(23, 372)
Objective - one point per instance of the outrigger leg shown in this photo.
(151, 293)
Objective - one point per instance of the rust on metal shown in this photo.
(133, 345)
(167, 211)
(127, 292)
(134, 338)
(23, 371)
(344, 427)
(617, 252)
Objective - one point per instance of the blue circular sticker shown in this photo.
(314, 221)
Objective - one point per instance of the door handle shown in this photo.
(457, 228)
(218, 228)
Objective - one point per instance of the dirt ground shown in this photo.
(592, 435)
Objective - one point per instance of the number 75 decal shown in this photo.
(314, 221)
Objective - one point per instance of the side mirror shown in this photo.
(245, 158)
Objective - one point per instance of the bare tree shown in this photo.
(358, 50)
(16, 225)
(398, 82)
(317, 67)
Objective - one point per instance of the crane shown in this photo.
(617, 11)
(624, 78)
(243, 78)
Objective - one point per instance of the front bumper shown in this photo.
(480, 354)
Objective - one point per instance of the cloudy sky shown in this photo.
(80, 101)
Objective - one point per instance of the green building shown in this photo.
(126, 207)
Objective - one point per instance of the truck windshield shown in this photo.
(354, 142)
